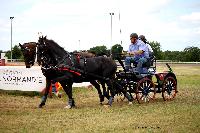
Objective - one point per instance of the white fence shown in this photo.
(25, 79)
(163, 62)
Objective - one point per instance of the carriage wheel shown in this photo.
(145, 90)
(169, 88)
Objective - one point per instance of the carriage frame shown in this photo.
(142, 86)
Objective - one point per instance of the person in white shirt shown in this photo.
(139, 53)
(143, 38)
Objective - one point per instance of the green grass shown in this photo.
(19, 113)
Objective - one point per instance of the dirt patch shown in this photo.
(15, 64)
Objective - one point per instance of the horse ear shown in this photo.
(40, 35)
(45, 37)
(20, 45)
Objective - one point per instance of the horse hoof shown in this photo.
(41, 105)
(101, 97)
(68, 107)
(107, 105)
(59, 95)
(102, 100)
(130, 103)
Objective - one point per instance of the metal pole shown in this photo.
(120, 30)
(79, 45)
(11, 18)
(111, 14)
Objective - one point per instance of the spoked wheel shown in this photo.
(169, 88)
(145, 91)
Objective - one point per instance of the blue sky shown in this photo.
(82, 24)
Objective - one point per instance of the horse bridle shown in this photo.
(42, 55)
(28, 58)
(42, 45)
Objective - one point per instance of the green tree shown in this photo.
(192, 54)
(116, 51)
(172, 55)
(156, 49)
(8, 54)
(16, 53)
(99, 50)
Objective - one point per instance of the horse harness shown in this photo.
(62, 65)
(74, 67)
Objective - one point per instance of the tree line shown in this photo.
(189, 54)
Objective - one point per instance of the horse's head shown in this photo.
(29, 53)
(42, 51)
(51, 54)
(47, 52)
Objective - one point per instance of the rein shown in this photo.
(69, 70)
(73, 70)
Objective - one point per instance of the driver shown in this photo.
(139, 53)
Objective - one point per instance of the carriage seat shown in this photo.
(150, 61)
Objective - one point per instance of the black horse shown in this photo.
(59, 65)
(29, 52)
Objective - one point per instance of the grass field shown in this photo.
(19, 113)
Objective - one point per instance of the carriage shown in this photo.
(144, 87)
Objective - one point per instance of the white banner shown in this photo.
(25, 79)
(21, 78)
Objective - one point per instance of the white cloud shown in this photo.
(67, 21)
(194, 17)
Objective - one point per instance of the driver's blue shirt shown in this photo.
(139, 45)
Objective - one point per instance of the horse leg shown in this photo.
(105, 92)
(44, 97)
(97, 86)
(112, 91)
(68, 91)
(120, 89)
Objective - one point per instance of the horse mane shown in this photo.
(30, 43)
(55, 48)
(84, 54)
